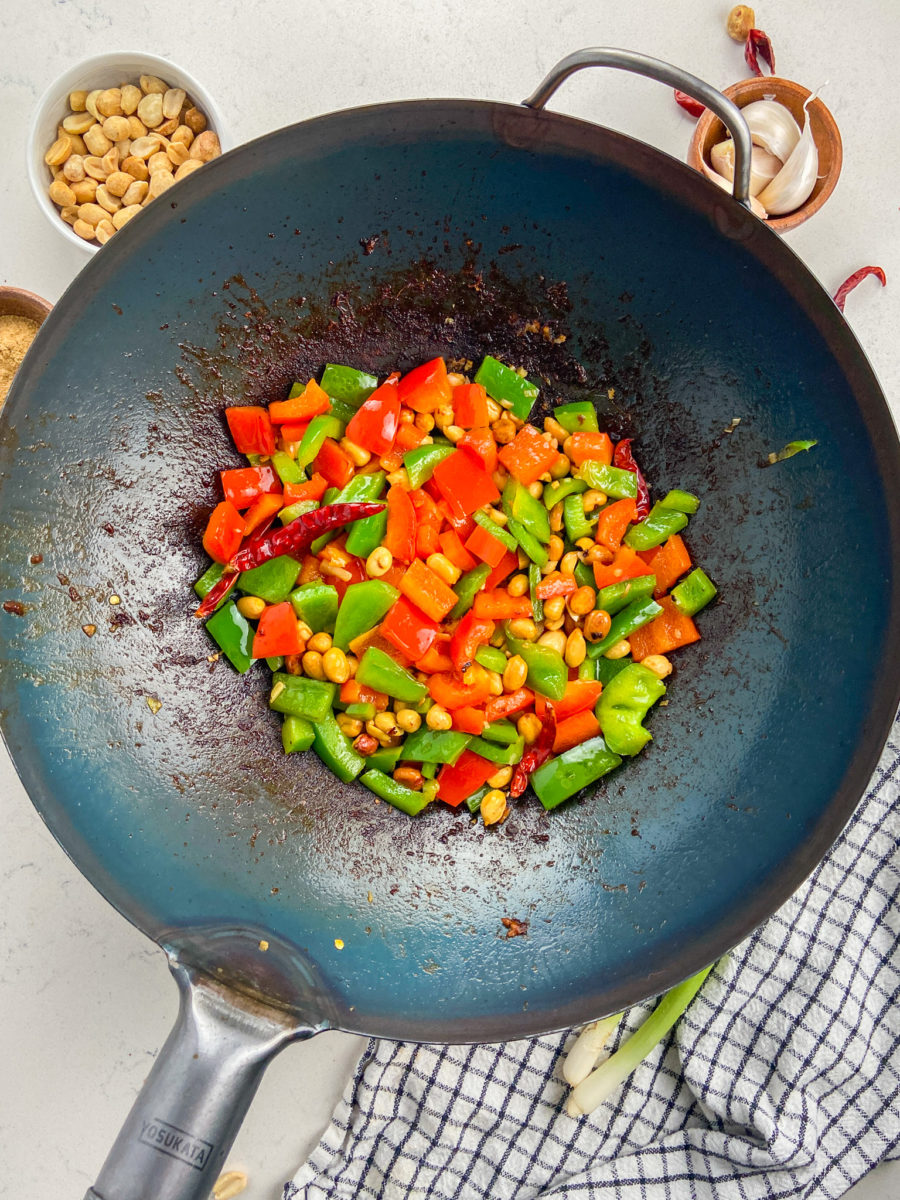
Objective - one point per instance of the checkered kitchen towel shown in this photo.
(781, 1080)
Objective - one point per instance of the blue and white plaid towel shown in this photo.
(781, 1080)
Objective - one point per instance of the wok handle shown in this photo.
(175, 1139)
(654, 68)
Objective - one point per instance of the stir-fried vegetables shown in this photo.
(456, 602)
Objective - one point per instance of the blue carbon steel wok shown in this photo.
(379, 237)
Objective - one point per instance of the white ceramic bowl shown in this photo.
(104, 71)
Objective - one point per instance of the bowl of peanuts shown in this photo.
(111, 135)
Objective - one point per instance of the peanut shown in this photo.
(116, 128)
(78, 122)
(92, 213)
(109, 102)
(136, 127)
(195, 120)
(118, 183)
(153, 85)
(58, 152)
(178, 153)
(84, 190)
(135, 193)
(135, 167)
(150, 110)
(159, 161)
(124, 215)
(172, 102)
(143, 147)
(96, 140)
(73, 168)
(104, 231)
(206, 146)
(83, 229)
(61, 194)
(76, 101)
(90, 104)
(187, 168)
(106, 200)
(131, 98)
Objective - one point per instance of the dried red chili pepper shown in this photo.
(840, 296)
(536, 754)
(689, 104)
(294, 538)
(759, 45)
(622, 457)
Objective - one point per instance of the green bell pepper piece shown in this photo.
(631, 618)
(347, 384)
(273, 581)
(232, 634)
(558, 489)
(362, 608)
(363, 711)
(614, 481)
(495, 530)
(577, 523)
(367, 535)
(503, 732)
(547, 672)
(608, 668)
(694, 592)
(421, 461)
(317, 604)
(529, 543)
(296, 734)
(578, 417)
(568, 773)
(432, 745)
(286, 468)
(207, 582)
(275, 663)
(503, 755)
(588, 668)
(616, 596)
(297, 389)
(336, 751)
(429, 770)
(491, 658)
(331, 494)
(361, 487)
(685, 502)
(394, 793)
(623, 705)
(296, 510)
(502, 383)
(301, 697)
(517, 502)
(377, 670)
(584, 576)
(655, 529)
(342, 411)
(473, 803)
(385, 758)
(321, 427)
(467, 587)
(534, 578)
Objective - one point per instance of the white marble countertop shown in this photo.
(85, 1001)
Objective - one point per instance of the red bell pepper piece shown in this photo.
(407, 628)
(311, 401)
(435, 660)
(626, 565)
(251, 429)
(278, 632)
(671, 630)
(469, 720)
(458, 783)
(310, 489)
(596, 447)
(355, 693)
(667, 562)
(464, 483)
(482, 543)
(356, 569)
(224, 532)
(374, 425)
(428, 523)
(427, 590)
(499, 707)
(426, 387)
(499, 605)
(261, 512)
(453, 548)
(623, 458)
(292, 433)
(246, 484)
(580, 694)
(470, 410)
(400, 537)
(462, 525)
(449, 690)
(507, 564)
(480, 443)
(409, 436)
(574, 730)
(613, 523)
(555, 584)
(469, 634)
(528, 456)
(332, 463)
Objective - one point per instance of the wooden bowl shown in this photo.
(17, 302)
(826, 135)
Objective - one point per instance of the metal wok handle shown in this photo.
(175, 1139)
(654, 68)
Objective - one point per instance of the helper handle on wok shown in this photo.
(654, 68)
(175, 1139)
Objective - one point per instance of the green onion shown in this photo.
(791, 449)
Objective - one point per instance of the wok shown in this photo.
(286, 902)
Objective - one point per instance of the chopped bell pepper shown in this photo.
(464, 483)
(297, 734)
(287, 469)
(499, 605)
(427, 590)
(333, 464)
(547, 672)
(309, 403)
(558, 489)
(209, 579)
(246, 484)
(614, 481)
(589, 447)
(568, 773)
(261, 511)
(578, 417)
(481, 444)
(613, 523)
(529, 543)
(449, 690)
(503, 754)
(499, 707)
(554, 584)
(502, 732)
(367, 535)
(519, 505)
(616, 596)
(468, 719)
(574, 730)
(316, 603)
(495, 529)
(625, 623)
(467, 587)
(535, 578)
(336, 750)
(434, 659)
(396, 794)
(272, 582)
(470, 406)
(251, 430)
(579, 695)
(626, 565)
(311, 443)
(670, 631)
(277, 632)
(506, 386)
(384, 759)
(298, 696)
(374, 426)
(685, 502)
(427, 387)
(453, 548)
(473, 802)
(297, 510)
(456, 783)
(377, 670)
(608, 668)
(528, 456)
(362, 607)
(578, 525)
(471, 632)
(668, 562)
(407, 628)
(233, 635)
(491, 659)
(224, 532)
(346, 384)
(487, 545)
(308, 489)
(400, 536)
(624, 704)
(421, 461)
(432, 745)
(694, 592)
(507, 564)
(659, 525)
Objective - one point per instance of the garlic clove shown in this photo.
(763, 165)
(793, 184)
(772, 126)
(727, 185)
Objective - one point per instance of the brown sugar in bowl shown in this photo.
(827, 136)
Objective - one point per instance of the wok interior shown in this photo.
(381, 238)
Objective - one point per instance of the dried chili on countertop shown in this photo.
(854, 280)
(759, 45)
(691, 106)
